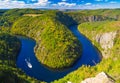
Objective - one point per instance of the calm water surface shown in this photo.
(30, 65)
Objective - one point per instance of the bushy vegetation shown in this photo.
(56, 46)
(14, 75)
(47, 28)
(10, 16)
(95, 15)
(9, 49)
(91, 29)
(110, 65)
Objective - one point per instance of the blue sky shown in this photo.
(61, 4)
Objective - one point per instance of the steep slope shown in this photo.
(56, 46)
(95, 15)
(9, 49)
(8, 17)
(111, 64)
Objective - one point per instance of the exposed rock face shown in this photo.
(106, 41)
(95, 18)
(100, 78)
(92, 18)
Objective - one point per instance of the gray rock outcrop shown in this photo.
(100, 78)
(106, 41)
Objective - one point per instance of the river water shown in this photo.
(30, 65)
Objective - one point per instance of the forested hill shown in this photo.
(8, 17)
(81, 16)
(9, 49)
(56, 46)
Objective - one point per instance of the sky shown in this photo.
(60, 4)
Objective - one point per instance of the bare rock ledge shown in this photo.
(106, 41)
(100, 78)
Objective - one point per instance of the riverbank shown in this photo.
(56, 45)
(108, 65)
(9, 50)
(41, 72)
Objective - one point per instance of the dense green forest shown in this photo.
(110, 65)
(56, 46)
(95, 15)
(8, 17)
(9, 49)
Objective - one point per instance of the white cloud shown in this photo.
(5, 4)
(6, 0)
(113, 2)
(65, 4)
(42, 3)
(88, 4)
(12, 4)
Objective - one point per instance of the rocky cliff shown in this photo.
(106, 41)
(99, 78)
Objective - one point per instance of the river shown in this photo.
(28, 62)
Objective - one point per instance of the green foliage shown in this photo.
(80, 17)
(110, 65)
(56, 46)
(9, 76)
(94, 28)
(95, 15)
(64, 19)
(100, 26)
(14, 75)
(9, 48)
(10, 16)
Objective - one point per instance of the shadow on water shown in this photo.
(100, 54)
(76, 28)
(30, 65)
